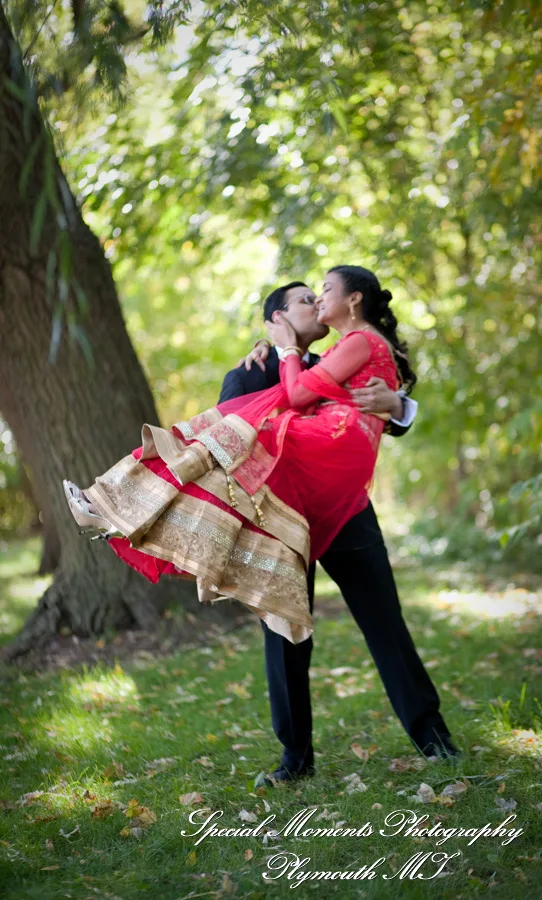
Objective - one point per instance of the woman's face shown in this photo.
(332, 304)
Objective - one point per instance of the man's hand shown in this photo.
(377, 397)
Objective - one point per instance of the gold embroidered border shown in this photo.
(270, 579)
(228, 438)
(191, 429)
(210, 544)
(231, 441)
(185, 462)
(127, 498)
(257, 466)
(282, 521)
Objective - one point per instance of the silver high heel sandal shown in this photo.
(105, 535)
(80, 510)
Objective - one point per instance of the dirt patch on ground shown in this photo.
(67, 651)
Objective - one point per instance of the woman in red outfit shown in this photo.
(243, 496)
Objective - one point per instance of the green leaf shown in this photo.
(38, 220)
(56, 332)
(29, 164)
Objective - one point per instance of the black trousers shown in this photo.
(357, 561)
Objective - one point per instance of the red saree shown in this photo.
(244, 495)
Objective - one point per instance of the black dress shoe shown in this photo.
(281, 774)
(443, 748)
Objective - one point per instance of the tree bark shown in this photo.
(35, 491)
(80, 419)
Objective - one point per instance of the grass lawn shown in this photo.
(94, 761)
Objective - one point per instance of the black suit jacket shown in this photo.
(239, 382)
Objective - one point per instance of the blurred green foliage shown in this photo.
(267, 142)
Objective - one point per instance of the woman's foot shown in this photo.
(84, 513)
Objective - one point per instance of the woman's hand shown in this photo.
(281, 332)
(258, 354)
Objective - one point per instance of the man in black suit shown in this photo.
(357, 561)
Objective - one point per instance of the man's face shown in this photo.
(301, 314)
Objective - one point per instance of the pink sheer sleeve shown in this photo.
(341, 364)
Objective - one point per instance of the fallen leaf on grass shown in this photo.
(205, 761)
(132, 809)
(377, 806)
(132, 832)
(69, 833)
(191, 858)
(246, 816)
(192, 797)
(455, 789)
(425, 794)
(49, 845)
(239, 689)
(227, 884)
(445, 801)
(114, 769)
(406, 764)
(165, 762)
(104, 809)
(249, 854)
(40, 819)
(27, 799)
(526, 737)
(360, 752)
(141, 816)
(325, 814)
(146, 817)
(355, 784)
(505, 804)
(49, 868)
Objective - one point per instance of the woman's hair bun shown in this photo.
(385, 297)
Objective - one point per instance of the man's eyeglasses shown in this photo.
(307, 299)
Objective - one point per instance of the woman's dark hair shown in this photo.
(277, 299)
(375, 307)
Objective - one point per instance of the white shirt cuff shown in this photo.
(410, 408)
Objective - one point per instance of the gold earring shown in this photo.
(352, 313)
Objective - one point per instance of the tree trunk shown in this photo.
(80, 419)
(36, 492)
